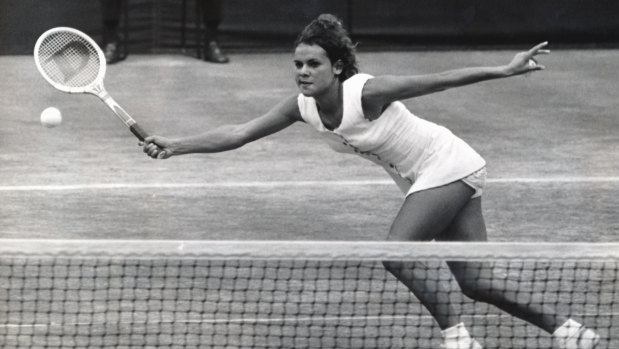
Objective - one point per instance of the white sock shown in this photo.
(572, 335)
(457, 337)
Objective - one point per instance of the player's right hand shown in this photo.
(157, 147)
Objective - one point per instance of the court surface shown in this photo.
(550, 140)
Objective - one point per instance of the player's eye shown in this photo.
(313, 64)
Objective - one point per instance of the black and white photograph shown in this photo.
(389, 174)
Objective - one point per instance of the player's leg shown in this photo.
(476, 278)
(422, 217)
(477, 282)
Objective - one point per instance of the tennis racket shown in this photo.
(72, 62)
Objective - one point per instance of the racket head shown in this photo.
(70, 60)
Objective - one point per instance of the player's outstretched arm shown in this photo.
(227, 137)
(383, 90)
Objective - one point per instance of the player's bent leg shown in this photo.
(477, 281)
(422, 217)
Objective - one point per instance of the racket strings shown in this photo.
(69, 60)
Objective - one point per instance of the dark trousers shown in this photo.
(110, 13)
(212, 14)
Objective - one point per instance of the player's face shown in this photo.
(315, 74)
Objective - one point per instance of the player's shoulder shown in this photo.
(359, 78)
(290, 107)
(354, 86)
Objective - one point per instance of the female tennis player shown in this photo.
(442, 176)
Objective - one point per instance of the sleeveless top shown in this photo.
(418, 154)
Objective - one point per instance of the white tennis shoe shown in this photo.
(469, 343)
(572, 335)
(457, 337)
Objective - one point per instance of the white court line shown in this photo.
(554, 180)
(283, 184)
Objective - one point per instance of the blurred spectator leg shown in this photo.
(213, 15)
(111, 13)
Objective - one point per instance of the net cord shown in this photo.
(307, 250)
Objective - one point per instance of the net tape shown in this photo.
(321, 250)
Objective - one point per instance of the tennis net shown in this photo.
(290, 294)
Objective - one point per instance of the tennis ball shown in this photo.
(51, 117)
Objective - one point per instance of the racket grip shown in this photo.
(138, 131)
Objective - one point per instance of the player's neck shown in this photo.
(330, 101)
(330, 106)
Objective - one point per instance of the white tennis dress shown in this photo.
(418, 154)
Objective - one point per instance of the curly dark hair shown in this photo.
(328, 32)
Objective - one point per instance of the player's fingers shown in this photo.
(148, 140)
(149, 148)
(539, 49)
(539, 46)
(145, 146)
(534, 65)
(153, 153)
(163, 155)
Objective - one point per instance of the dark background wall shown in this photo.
(155, 25)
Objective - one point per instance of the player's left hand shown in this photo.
(525, 62)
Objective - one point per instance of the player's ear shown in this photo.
(338, 67)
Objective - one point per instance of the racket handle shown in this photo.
(121, 113)
(138, 131)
